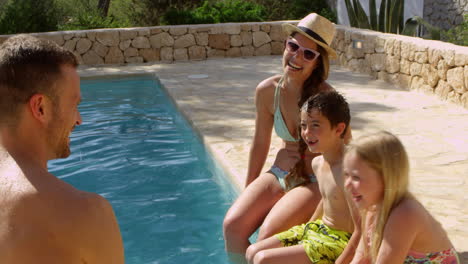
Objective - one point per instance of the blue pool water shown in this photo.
(136, 150)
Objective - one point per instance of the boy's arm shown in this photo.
(350, 250)
(318, 212)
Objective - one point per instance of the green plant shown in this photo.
(329, 14)
(91, 20)
(295, 9)
(85, 14)
(216, 12)
(459, 34)
(389, 19)
(25, 16)
(151, 12)
(413, 24)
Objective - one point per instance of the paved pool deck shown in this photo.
(217, 96)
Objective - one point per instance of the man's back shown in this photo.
(45, 220)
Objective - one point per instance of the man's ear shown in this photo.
(38, 105)
(340, 128)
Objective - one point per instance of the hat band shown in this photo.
(312, 34)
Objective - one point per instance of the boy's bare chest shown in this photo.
(329, 187)
(330, 181)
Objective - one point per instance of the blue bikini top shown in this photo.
(280, 126)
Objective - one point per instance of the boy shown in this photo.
(324, 121)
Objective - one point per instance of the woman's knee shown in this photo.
(234, 226)
(230, 224)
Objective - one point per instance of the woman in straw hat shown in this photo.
(287, 194)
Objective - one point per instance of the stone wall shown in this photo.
(445, 14)
(167, 44)
(433, 67)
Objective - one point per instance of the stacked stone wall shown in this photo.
(173, 43)
(429, 66)
(445, 14)
(433, 67)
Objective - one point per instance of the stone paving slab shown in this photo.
(217, 96)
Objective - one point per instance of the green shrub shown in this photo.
(91, 19)
(216, 12)
(295, 9)
(26, 16)
(459, 34)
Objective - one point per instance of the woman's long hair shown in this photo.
(310, 88)
(383, 152)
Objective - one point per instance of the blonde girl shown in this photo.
(396, 227)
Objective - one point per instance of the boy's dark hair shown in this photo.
(29, 66)
(332, 105)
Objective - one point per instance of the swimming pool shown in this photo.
(135, 149)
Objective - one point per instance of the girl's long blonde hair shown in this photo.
(383, 152)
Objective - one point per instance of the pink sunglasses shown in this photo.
(309, 54)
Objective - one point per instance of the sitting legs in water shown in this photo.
(264, 204)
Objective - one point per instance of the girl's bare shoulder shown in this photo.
(408, 210)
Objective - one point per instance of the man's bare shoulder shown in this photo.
(55, 219)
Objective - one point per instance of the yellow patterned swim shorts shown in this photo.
(321, 243)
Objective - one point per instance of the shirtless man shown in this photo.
(43, 219)
(324, 239)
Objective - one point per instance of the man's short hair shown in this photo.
(28, 66)
(332, 105)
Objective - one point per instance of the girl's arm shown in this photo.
(403, 225)
(359, 256)
(263, 129)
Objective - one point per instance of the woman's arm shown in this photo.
(263, 129)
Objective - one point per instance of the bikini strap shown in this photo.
(276, 102)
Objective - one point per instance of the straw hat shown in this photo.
(316, 28)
